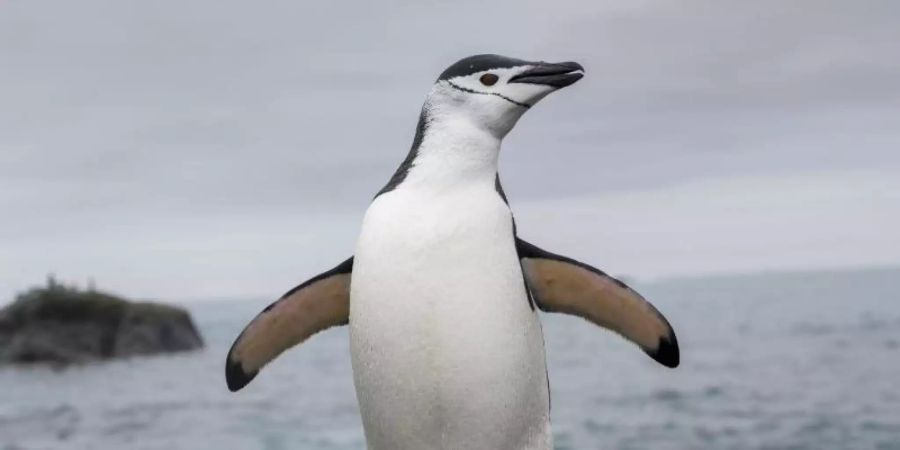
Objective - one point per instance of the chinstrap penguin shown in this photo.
(442, 295)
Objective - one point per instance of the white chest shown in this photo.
(446, 348)
(464, 237)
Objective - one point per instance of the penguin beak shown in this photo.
(558, 75)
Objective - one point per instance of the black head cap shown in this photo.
(480, 63)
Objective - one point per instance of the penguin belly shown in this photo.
(447, 352)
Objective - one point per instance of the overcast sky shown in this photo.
(223, 148)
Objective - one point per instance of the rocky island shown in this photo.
(64, 325)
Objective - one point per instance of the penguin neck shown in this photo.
(449, 152)
(455, 151)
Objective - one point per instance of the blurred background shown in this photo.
(738, 162)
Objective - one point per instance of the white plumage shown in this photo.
(446, 351)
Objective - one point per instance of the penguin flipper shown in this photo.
(319, 303)
(561, 284)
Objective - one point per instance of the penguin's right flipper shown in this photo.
(562, 284)
(319, 303)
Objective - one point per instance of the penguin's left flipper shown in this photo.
(319, 303)
(561, 284)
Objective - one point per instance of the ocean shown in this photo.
(769, 361)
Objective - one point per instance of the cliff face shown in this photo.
(63, 325)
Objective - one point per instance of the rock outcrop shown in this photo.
(63, 325)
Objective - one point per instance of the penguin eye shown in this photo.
(489, 79)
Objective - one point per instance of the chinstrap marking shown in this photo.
(471, 91)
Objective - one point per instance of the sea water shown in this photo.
(772, 361)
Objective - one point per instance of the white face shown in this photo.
(492, 99)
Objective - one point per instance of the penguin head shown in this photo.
(493, 91)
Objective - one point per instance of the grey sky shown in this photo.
(225, 148)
